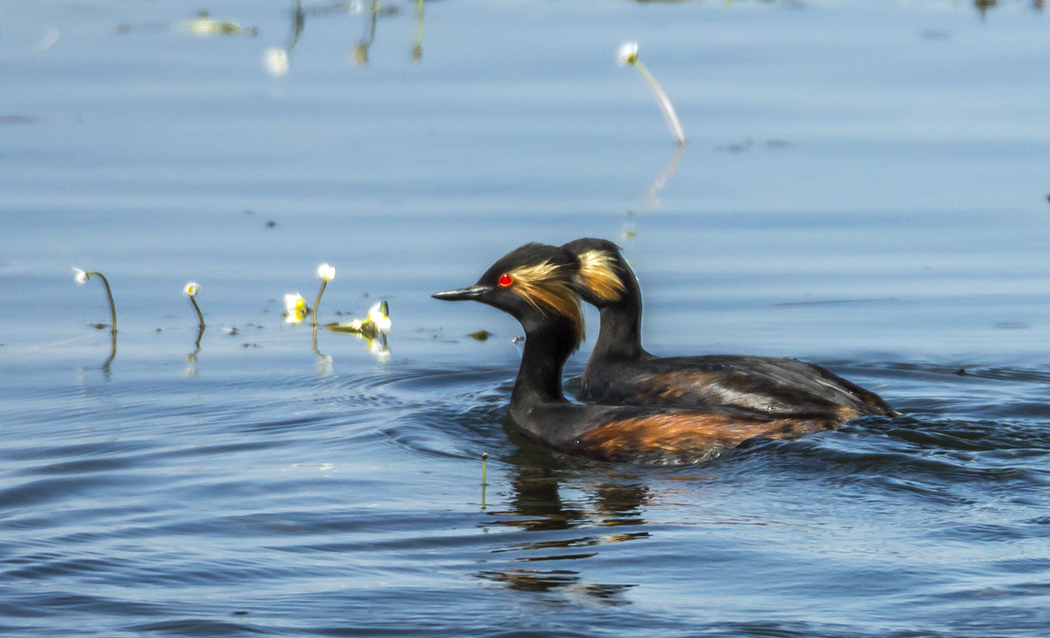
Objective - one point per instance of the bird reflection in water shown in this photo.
(536, 504)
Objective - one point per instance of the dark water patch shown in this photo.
(42, 566)
(40, 492)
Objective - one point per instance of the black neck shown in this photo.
(620, 334)
(549, 340)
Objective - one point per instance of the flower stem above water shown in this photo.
(191, 290)
(81, 278)
(628, 54)
(325, 273)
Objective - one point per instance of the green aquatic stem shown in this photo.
(484, 482)
(200, 316)
(317, 304)
(663, 101)
(109, 296)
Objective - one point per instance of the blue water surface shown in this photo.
(864, 186)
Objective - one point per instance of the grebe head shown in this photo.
(603, 274)
(533, 283)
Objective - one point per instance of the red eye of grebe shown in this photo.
(505, 280)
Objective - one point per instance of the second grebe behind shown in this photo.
(620, 370)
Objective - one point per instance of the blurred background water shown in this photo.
(864, 186)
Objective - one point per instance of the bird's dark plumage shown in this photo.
(534, 284)
(620, 370)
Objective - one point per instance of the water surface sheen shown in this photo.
(864, 187)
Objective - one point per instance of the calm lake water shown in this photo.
(865, 186)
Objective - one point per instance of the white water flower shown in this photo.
(379, 316)
(628, 53)
(80, 276)
(295, 309)
(191, 289)
(276, 61)
(294, 302)
(325, 272)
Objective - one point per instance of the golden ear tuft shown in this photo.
(599, 277)
(547, 289)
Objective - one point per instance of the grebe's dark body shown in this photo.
(534, 284)
(620, 370)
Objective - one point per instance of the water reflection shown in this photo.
(360, 55)
(536, 505)
(277, 60)
(535, 502)
(417, 50)
(191, 358)
(112, 354)
(558, 580)
(983, 6)
(652, 201)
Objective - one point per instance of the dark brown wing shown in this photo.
(765, 384)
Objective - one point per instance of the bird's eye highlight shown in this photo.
(505, 280)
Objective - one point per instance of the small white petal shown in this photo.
(295, 308)
(325, 272)
(294, 302)
(80, 276)
(627, 54)
(276, 61)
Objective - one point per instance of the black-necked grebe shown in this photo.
(534, 284)
(621, 371)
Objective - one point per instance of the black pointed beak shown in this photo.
(463, 294)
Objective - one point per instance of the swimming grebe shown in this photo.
(621, 371)
(534, 284)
